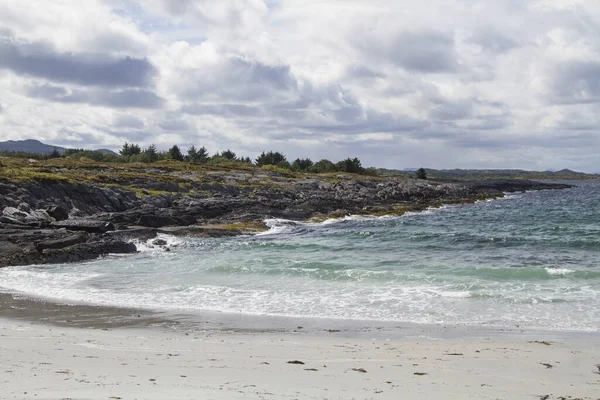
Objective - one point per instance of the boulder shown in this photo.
(86, 225)
(59, 213)
(126, 235)
(86, 251)
(62, 242)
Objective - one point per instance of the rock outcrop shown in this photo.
(57, 221)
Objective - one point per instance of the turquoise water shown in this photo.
(531, 259)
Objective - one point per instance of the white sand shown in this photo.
(47, 362)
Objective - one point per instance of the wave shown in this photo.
(148, 246)
(526, 273)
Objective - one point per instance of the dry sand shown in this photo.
(49, 362)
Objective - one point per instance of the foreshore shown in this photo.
(51, 351)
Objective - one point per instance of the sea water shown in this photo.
(530, 260)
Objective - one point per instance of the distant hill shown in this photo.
(475, 174)
(35, 146)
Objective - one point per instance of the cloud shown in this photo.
(493, 41)
(128, 121)
(239, 110)
(577, 82)
(424, 51)
(233, 78)
(41, 61)
(171, 124)
(492, 84)
(126, 98)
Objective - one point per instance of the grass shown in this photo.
(162, 177)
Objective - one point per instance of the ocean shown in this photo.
(530, 260)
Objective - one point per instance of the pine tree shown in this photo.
(175, 153)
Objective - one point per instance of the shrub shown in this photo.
(323, 166)
(270, 158)
(302, 164)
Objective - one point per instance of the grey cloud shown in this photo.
(40, 60)
(222, 110)
(135, 136)
(577, 83)
(451, 111)
(372, 122)
(174, 125)
(364, 72)
(129, 98)
(491, 122)
(425, 52)
(239, 80)
(1, 108)
(493, 41)
(129, 121)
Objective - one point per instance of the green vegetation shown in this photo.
(134, 153)
(421, 173)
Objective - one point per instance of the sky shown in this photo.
(396, 83)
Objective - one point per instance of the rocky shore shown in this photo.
(55, 218)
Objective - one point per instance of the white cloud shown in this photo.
(398, 84)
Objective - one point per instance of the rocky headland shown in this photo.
(66, 211)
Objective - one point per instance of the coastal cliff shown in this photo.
(64, 212)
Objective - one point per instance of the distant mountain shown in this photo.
(29, 146)
(474, 174)
(35, 146)
(107, 151)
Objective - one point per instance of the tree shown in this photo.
(130, 149)
(150, 155)
(270, 158)
(135, 149)
(350, 165)
(192, 154)
(323, 166)
(175, 153)
(421, 173)
(302, 164)
(197, 155)
(125, 150)
(55, 153)
(228, 154)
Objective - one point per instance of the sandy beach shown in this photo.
(43, 361)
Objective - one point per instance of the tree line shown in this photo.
(134, 153)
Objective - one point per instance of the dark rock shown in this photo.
(87, 225)
(219, 201)
(12, 254)
(63, 242)
(200, 231)
(156, 221)
(86, 251)
(159, 242)
(130, 234)
(59, 213)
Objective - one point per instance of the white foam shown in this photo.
(278, 225)
(148, 247)
(559, 271)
